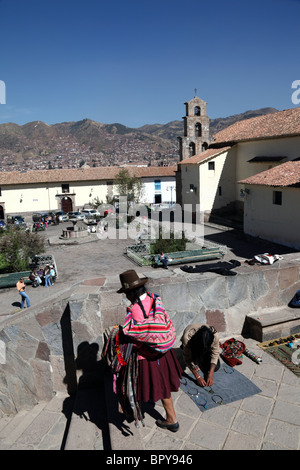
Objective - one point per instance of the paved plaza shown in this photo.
(82, 260)
(269, 420)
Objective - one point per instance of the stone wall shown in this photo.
(41, 342)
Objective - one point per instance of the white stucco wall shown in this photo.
(217, 187)
(167, 189)
(20, 199)
(208, 181)
(38, 198)
(276, 223)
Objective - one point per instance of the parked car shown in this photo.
(90, 213)
(76, 215)
(15, 219)
(40, 216)
(62, 216)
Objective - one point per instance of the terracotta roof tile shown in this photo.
(86, 174)
(200, 157)
(286, 174)
(282, 123)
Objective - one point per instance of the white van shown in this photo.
(88, 213)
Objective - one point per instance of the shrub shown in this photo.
(17, 247)
(168, 244)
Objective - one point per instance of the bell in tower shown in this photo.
(196, 129)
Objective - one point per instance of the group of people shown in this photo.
(158, 373)
(44, 276)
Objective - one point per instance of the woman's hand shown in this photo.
(210, 376)
(210, 379)
(200, 381)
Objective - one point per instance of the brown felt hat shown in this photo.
(130, 280)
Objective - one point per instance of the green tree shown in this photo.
(130, 186)
(17, 247)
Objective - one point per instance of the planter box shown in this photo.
(140, 254)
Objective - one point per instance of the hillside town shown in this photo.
(33, 151)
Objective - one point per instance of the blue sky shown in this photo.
(136, 62)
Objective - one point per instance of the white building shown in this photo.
(216, 180)
(71, 189)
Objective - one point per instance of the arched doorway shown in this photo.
(66, 204)
(1, 212)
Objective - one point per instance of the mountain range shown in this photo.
(37, 145)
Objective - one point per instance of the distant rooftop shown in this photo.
(86, 174)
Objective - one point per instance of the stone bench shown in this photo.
(271, 323)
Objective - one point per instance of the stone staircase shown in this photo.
(271, 323)
(39, 428)
(86, 421)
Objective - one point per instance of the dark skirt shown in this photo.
(158, 377)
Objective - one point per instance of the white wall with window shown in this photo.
(272, 214)
(159, 190)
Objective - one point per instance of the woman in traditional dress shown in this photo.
(158, 373)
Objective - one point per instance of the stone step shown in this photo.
(88, 428)
(123, 435)
(273, 322)
(88, 421)
(39, 428)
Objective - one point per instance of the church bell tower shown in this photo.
(196, 129)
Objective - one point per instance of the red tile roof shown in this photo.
(283, 123)
(86, 174)
(286, 174)
(200, 157)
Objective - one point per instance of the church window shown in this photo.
(197, 111)
(65, 188)
(157, 185)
